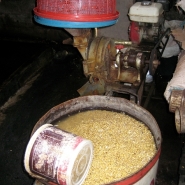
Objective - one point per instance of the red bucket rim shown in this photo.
(76, 18)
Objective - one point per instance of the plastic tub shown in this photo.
(73, 13)
(77, 10)
(58, 157)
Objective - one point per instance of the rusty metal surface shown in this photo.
(133, 62)
(102, 63)
(105, 65)
(92, 88)
(180, 115)
(135, 92)
(81, 43)
(175, 100)
(99, 55)
(81, 39)
(125, 43)
(177, 106)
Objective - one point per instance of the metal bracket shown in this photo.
(158, 50)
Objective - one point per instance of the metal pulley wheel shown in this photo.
(177, 105)
(153, 62)
(175, 100)
(180, 116)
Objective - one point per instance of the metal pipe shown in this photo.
(81, 39)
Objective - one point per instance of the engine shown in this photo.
(147, 21)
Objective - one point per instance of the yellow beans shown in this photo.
(122, 145)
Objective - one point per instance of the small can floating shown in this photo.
(55, 156)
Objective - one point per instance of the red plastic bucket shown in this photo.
(77, 10)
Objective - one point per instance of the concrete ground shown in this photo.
(46, 75)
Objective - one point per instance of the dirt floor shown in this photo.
(49, 82)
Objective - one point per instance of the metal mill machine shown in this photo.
(110, 65)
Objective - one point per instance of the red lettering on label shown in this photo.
(152, 182)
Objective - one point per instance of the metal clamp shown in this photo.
(177, 105)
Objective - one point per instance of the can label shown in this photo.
(51, 154)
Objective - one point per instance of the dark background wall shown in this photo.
(16, 21)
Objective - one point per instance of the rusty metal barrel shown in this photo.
(147, 175)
